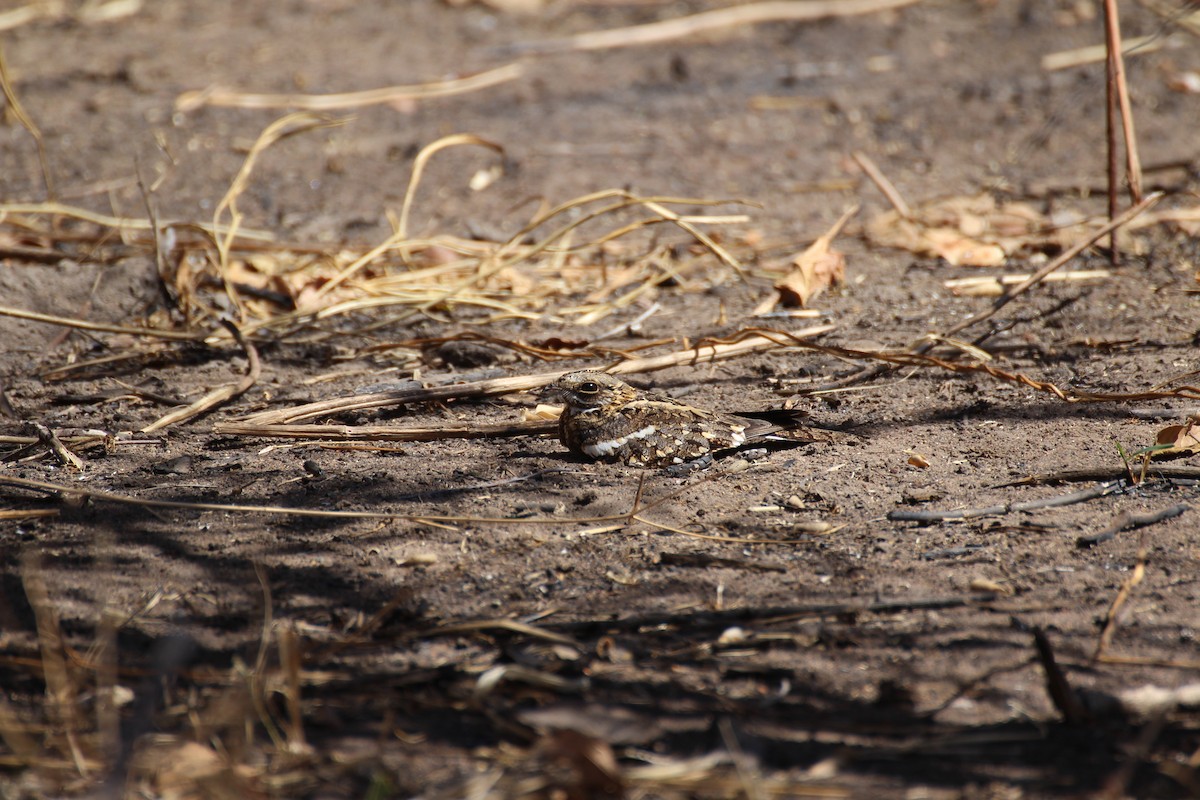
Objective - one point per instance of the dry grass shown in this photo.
(244, 729)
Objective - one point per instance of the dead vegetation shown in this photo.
(555, 704)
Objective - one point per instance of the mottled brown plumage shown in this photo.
(606, 419)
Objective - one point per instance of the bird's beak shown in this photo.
(550, 391)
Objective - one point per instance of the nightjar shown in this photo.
(606, 419)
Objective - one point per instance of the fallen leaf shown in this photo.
(971, 231)
(1181, 440)
(988, 585)
(814, 270)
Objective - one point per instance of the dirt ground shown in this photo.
(763, 628)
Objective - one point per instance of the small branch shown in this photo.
(1114, 610)
(1057, 686)
(100, 327)
(1112, 473)
(231, 98)
(718, 19)
(220, 395)
(1133, 166)
(1008, 508)
(882, 183)
(1127, 521)
(701, 354)
(49, 439)
(386, 433)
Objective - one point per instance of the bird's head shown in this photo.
(587, 389)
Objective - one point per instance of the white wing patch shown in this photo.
(610, 446)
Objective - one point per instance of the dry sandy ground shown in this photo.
(761, 629)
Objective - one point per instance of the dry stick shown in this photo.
(1127, 586)
(1127, 521)
(668, 30)
(882, 183)
(1176, 15)
(1116, 94)
(50, 440)
(1057, 686)
(257, 677)
(230, 98)
(123, 223)
(219, 395)
(290, 658)
(720, 252)
(1133, 166)
(1110, 128)
(388, 433)
(870, 372)
(1078, 57)
(1008, 508)
(414, 180)
(1102, 474)
(701, 354)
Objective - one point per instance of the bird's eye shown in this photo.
(589, 387)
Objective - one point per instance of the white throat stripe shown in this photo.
(610, 446)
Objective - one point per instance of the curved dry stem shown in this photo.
(289, 125)
(231, 98)
(422, 159)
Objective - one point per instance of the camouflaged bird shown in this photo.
(606, 419)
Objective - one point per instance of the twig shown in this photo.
(219, 395)
(632, 325)
(1139, 45)
(1133, 166)
(1057, 686)
(1054, 264)
(387, 433)
(671, 29)
(1127, 586)
(701, 354)
(1008, 508)
(49, 439)
(124, 223)
(1127, 521)
(100, 327)
(231, 98)
(883, 184)
(1102, 474)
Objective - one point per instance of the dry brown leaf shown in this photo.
(1182, 440)
(195, 770)
(816, 269)
(989, 585)
(965, 231)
